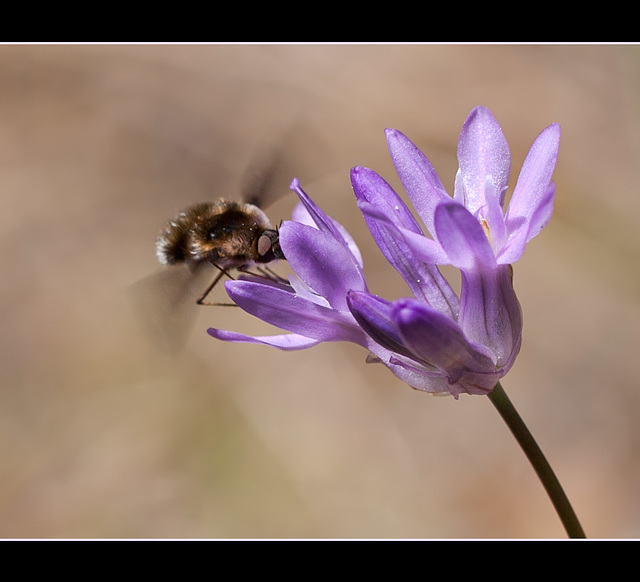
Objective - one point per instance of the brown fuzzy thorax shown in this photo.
(224, 233)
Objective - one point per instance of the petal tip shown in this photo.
(394, 135)
(481, 110)
(556, 129)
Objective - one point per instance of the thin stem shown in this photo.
(548, 478)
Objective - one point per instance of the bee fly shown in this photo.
(228, 235)
(225, 234)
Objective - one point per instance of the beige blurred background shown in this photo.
(103, 434)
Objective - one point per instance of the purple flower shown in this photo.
(435, 341)
(470, 231)
(481, 184)
(318, 302)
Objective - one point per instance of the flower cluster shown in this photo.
(434, 341)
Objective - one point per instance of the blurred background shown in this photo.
(105, 434)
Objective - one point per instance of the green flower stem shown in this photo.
(548, 478)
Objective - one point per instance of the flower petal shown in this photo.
(483, 153)
(429, 250)
(326, 224)
(463, 238)
(324, 263)
(418, 176)
(320, 218)
(532, 187)
(542, 213)
(374, 315)
(371, 187)
(419, 378)
(527, 228)
(302, 215)
(490, 313)
(290, 312)
(440, 342)
(415, 257)
(288, 341)
(435, 338)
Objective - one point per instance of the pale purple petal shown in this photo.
(375, 317)
(473, 382)
(463, 238)
(418, 176)
(542, 213)
(288, 341)
(534, 180)
(414, 257)
(351, 245)
(371, 187)
(490, 313)
(320, 218)
(302, 215)
(432, 382)
(527, 229)
(436, 339)
(323, 262)
(326, 224)
(483, 152)
(301, 289)
(322, 221)
(440, 342)
(286, 310)
(429, 250)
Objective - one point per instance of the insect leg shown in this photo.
(201, 300)
(264, 273)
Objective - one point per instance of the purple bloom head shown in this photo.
(480, 186)
(435, 341)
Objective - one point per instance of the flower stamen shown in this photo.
(487, 230)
